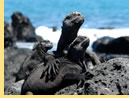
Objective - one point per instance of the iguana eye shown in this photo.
(68, 17)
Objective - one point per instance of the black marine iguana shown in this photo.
(71, 25)
(35, 58)
(70, 72)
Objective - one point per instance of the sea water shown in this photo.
(97, 13)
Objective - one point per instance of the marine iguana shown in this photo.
(52, 66)
(71, 25)
(71, 21)
(89, 61)
(35, 58)
(70, 72)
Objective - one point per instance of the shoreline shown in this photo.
(93, 34)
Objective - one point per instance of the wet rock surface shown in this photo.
(109, 45)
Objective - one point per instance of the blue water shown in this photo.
(97, 13)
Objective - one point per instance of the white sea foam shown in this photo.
(48, 34)
(93, 34)
(25, 45)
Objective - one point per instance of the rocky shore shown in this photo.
(109, 76)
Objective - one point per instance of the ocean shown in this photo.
(98, 14)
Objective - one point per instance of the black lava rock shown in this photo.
(8, 35)
(109, 45)
(110, 78)
(21, 29)
(13, 58)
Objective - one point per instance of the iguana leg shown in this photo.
(51, 70)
